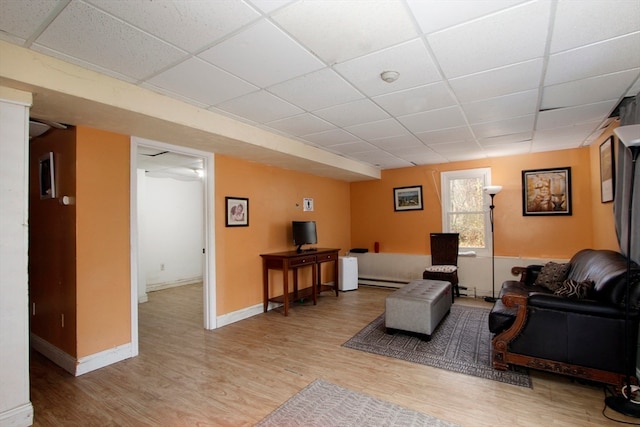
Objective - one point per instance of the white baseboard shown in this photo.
(245, 313)
(22, 416)
(84, 364)
(174, 284)
(103, 358)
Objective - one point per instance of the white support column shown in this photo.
(15, 406)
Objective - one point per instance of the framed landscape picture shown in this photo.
(407, 198)
(546, 191)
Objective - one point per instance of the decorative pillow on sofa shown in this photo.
(552, 275)
(575, 290)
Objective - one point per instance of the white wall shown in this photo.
(171, 217)
(15, 406)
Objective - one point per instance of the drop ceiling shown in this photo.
(477, 79)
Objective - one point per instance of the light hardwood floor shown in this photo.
(237, 374)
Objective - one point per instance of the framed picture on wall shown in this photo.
(237, 211)
(546, 191)
(47, 176)
(407, 198)
(607, 166)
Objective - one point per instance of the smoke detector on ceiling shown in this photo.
(389, 76)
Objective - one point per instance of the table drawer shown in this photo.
(327, 257)
(297, 262)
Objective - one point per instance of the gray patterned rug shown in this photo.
(461, 343)
(323, 404)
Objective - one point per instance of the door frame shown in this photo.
(209, 270)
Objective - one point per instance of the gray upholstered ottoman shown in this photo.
(418, 307)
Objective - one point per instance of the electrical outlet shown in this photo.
(162, 267)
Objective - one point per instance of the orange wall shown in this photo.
(374, 219)
(275, 199)
(103, 242)
(52, 244)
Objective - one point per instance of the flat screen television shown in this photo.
(304, 233)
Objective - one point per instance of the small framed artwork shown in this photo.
(237, 209)
(46, 170)
(407, 198)
(607, 166)
(546, 191)
(307, 204)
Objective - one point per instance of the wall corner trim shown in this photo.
(21, 416)
(84, 364)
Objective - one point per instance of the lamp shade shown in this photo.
(493, 189)
(629, 135)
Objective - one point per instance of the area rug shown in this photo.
(324, 404)
(461, 343)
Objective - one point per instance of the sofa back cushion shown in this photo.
(607, 270)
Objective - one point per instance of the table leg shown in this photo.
(265, 285)
(285, 287)
(314, 284)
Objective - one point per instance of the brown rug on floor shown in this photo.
(323, 404)
(461, 343)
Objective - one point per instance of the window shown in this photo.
(464, 207)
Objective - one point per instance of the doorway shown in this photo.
(183, 164)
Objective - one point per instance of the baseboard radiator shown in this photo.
(389, 270)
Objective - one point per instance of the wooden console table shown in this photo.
(292, 260)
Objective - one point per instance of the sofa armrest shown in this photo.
(527, 274)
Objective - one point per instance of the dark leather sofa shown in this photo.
(583, 338)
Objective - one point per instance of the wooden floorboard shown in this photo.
(237, 374)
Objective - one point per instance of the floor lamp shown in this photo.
(492, 190)
(630, 137)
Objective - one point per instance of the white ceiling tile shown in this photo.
(499, 81)
(380, 129)
(562, 137)
(444, 118)
(202, 82)
(337, 31)
(352, 148)
(313, 91)
(423, 98)
(514, 105)
(411, 60)
(515, 35)
(330, 137)
(352, 113)
(382, 160)
(512, 149)
(588, 91)
(102, 40)
(394, 143)
(455, 147)
(506, 139)
(422, 157)
(261, 107)
(302, 124)
(467, 155)
(635, 89)
(22, 19)
(263, 55)
(581, 23)
(435, 15)
(268, 6)
(446, 135)
(190, 25)
(504, 127)
(606, 57)
(575, 115)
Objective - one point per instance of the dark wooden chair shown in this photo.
(444, 260)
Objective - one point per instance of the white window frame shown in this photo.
(445, 179)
